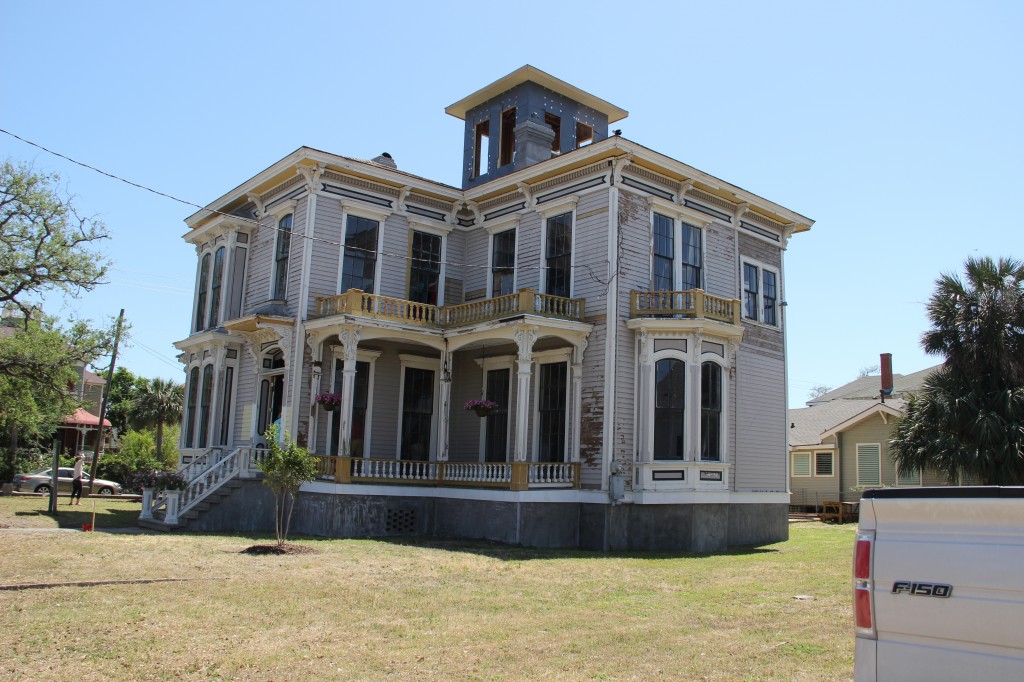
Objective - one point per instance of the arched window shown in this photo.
(271, 390)
(218, 276)
(190, 406)
(284, 239)
(204, 276)
(711, 411)
(204, 407)
(669, 409)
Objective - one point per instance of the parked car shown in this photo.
(40, 482)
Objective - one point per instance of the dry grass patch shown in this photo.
(373, 610)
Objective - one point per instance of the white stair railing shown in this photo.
(201, 463)
(226, 468)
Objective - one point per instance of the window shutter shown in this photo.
(823, 464)
(801, 464)
(869, 464)
(911, 477)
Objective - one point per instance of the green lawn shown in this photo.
(417, 610)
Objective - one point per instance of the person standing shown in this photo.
(76, 481)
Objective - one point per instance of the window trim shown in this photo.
(202, 291)
(216, 308)
(792, 464)
(418, 362)
(415, 227)
(506, 227)
(761, 268)
(832, 463)
(486, 365)
(369, 357)
(507, 137)
(550, 357)
(879, 455)
(274, 274)
(380, 215)
(714, 359)
(562, 206)
(480, 162)
(679, 215)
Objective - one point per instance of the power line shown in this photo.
(259, 225)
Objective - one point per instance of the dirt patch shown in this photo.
(279, 549)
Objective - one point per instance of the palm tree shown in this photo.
(159, 402)
(969, 416)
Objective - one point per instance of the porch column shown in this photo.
(645, 399)
(350, 340)
(577, 399)
(525, 337)
(445, 407)
(317, 344)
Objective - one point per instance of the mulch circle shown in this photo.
(279, 549)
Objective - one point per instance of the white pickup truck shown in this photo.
(938, 585)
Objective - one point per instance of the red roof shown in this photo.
(85, 418)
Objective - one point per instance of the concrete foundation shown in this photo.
(556, 525)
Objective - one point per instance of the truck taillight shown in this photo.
(863, 599)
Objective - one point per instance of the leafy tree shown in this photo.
(44, 243)
(969, 415)
(124, 386)
(285, 468)
(137, 453)
(159, 402)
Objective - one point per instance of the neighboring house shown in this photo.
(839, 444)
(622, 309)
(78, 430)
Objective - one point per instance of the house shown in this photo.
(621, 309)
(77, 432)
(839, 443)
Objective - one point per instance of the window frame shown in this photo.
(217, 287)
(202, 292)
(279, 278)
(878, 454)
(712, 360)
(831, 463)
(380, 216)
(442, 234)
(557, 208)
(507, 137)
(552, 357)
(501, 229)
(481, 161)
(369, 357)
(418, 362)
(491, 364)
(684, 359)
(680, 216)
(793, 466)
(760, 268)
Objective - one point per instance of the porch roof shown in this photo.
(84, 418)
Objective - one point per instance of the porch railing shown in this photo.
(509, 475)
(690, 303)
(525, 302)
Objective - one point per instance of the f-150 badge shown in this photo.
(922, 589)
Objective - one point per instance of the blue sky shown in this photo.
(896, 126)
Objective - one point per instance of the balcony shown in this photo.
(503, 475)
(692, 303)
(526, 302)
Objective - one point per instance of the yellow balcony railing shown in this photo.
(525, 302)
(690, 303)
(508, 475)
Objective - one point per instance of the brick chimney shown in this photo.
(885, 362)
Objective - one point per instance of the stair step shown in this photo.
(155, 525)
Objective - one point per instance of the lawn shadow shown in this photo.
(76, 517)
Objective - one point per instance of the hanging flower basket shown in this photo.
(329, 401)
(481, 407)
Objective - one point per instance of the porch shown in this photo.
(500, 475)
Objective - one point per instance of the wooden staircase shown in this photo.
(210, 501)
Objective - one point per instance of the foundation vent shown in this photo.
(401, 521)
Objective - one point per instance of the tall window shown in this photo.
(691, 257)
(760, 294)
(558, 255)
(218, 276)
(225, 408)
(750, 292)
(359, 268)
(769, 297)
(481, 147)
(204, 277)
(417, 413)
(711, 411)
(669, 409)
(204, 407)
(508, 137)
(284, 240)
(425, 270)
(551, 406)
(496, 423)
(360, 404)
(503, 261)
(190, 406)
(664, 253)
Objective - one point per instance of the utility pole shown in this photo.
(103, 405)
